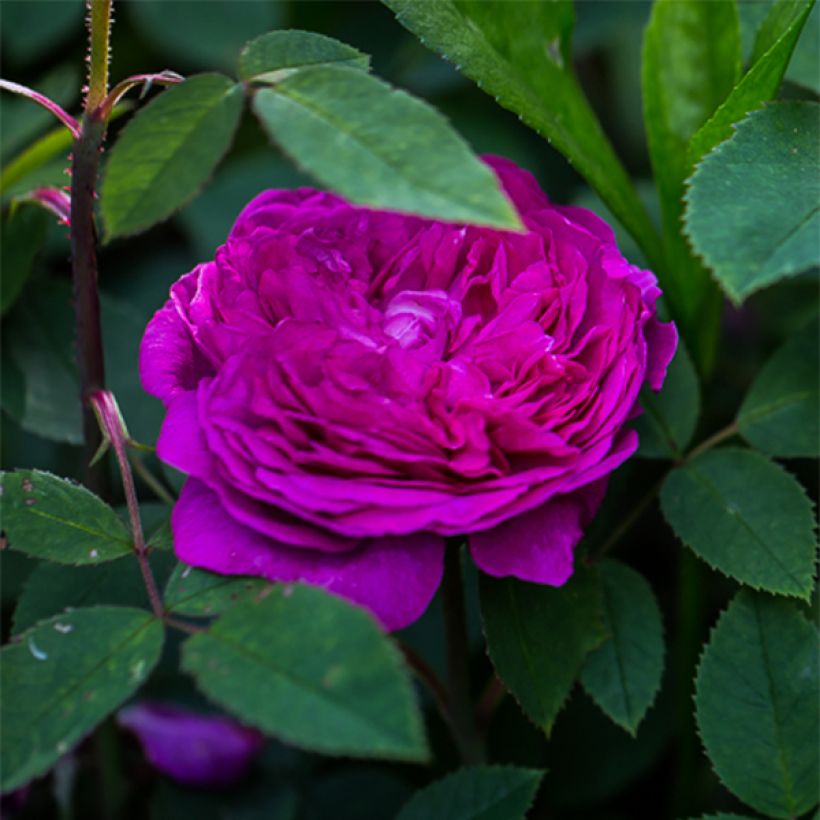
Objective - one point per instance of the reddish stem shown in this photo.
(110, 419)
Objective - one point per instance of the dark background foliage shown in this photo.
(595, 770)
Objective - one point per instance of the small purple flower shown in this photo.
(192, 748)
(346, 388)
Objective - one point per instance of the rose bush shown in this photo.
(346, 388)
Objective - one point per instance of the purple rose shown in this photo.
(346, 388)
(192, 748)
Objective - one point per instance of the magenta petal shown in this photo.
(192, 748)
(661, 343)
(181, 440)
(395, 578)
(538, 545)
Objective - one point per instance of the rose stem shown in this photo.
(458, 657)
(85, 165)
(110, 420)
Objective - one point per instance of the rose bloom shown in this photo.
(346, 388)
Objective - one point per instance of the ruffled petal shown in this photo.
(395, 578)
(538, 546)
(661, 343)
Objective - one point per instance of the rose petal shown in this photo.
(661, 342)
(192, 748)
(395, 578)
(538, 546)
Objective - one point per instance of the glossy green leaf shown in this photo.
(313, 670)
(774, 46)
(520, 53)
(745, 516)
(272, 56)
(167, 152)
(53, 518)
(24, 231)
(781, 411)
(196, 592)
(63, 677)
(670, 416)
(380, 146)
(757, 691)
(206, 34)
(623, 675)
(691, 60)
(764, 188)
(539, 636)
(476, 793)
(54, 588)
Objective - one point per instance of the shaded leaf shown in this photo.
(53, 518)
(196, 592)
(379, 146)
(205, 35)
(670, 416)
(63, 677)
(311, 669)
(774, 45)
(273, 55)
(752, 210)
(745, 516)
(691, 60)
(167, 152)
(53, 588)
(781, 411)
(24, 231)
(539, 636)
(623, 675)
(757, 691)
(476, 793)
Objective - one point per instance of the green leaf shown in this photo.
(746, 517)
(37, 345)
(670, 416)
(774, 45)
(203, 35)
(379, 146)
(63, 677)
(196, 592)
(623, 675)
(272, 56)
(757, 691)
(167, 152)
(539, 636)
(54, 588)
(313, 670)
(55, 519)
(781, 411)
(24, 231)
(520, 53)
(476, 793)
(691, 60)
(752, 209)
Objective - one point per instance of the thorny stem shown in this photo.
(86, 296)
(105, 407)
(99, 32)
(458, 667)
